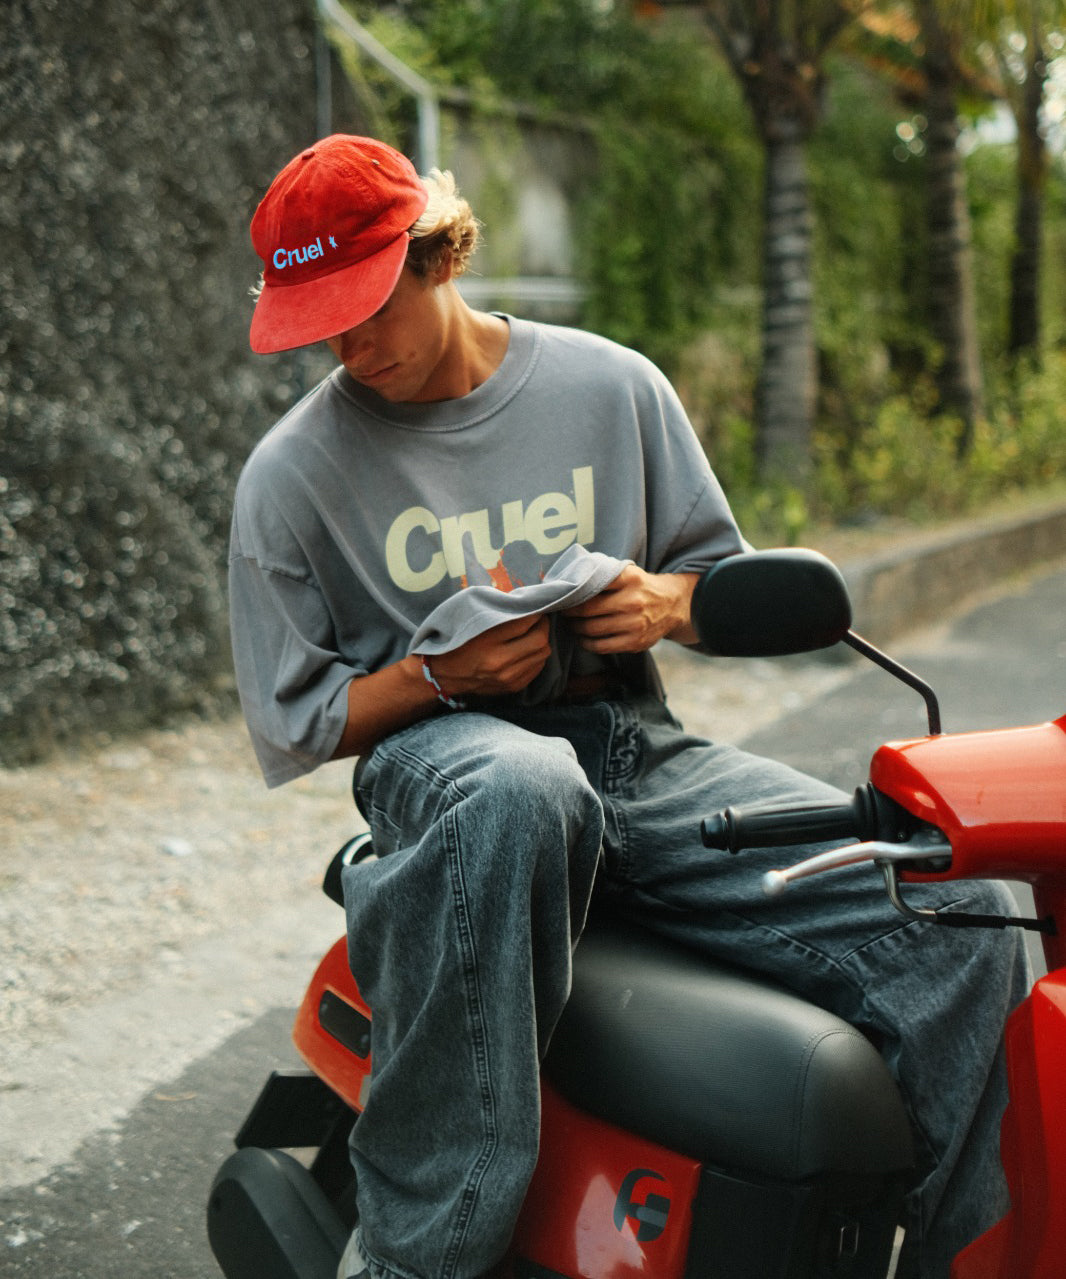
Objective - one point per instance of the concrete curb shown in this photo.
(911, 586)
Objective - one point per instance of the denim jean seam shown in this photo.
(837, 965)
(377, 814)
(625, 750)
(825, 961)
(878, 1016)
(379, 821)
(417, 764)
(622, 761)
(868, 997)
(479, 1043)
(898, 927)
(376, 1268)
(614, 855)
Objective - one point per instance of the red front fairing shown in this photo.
(998, 796)
(1000, 799)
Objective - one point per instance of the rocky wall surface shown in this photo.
(135, 141)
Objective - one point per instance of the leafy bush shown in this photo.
(128, 394)
(907, 463)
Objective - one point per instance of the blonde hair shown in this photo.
(447, 232)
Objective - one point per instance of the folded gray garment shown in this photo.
(577, 575)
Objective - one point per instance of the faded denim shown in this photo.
(491, 832)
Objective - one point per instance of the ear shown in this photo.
(443, 273)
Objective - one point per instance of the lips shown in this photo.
(376, 376)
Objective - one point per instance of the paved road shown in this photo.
(130, 1203)
(1000, 662)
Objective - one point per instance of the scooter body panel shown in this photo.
(603, 1204)
(804, 1155)
(1030, 1241)
(332, 1028)
(999, 796)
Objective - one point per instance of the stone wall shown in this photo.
(525, 178)
(134, 143)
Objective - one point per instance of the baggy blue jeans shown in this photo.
(491, 830)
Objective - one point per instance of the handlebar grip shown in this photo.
(867, 815)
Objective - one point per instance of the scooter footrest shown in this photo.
(294, 1109)
(268, 1219)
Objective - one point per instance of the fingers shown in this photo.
(612, 634)
(608, 600)
(515, 628)
(617, 619)
(634, 612)
(503, 659)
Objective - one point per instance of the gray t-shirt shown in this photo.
(355, 519)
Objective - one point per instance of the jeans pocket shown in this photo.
(625, 751)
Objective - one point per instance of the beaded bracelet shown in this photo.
(457, 704)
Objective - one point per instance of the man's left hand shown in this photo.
(635, 611)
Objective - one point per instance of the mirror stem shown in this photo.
(932, 706)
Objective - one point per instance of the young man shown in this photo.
(451, 559)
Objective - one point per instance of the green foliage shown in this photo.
(542, 52)
(668, 228)
(1053, 265)
(991, 184)
(128, 395)
(905, 462)
(670, 245)
(868, 220)
(902, 461)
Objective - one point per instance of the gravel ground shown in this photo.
(114, 861)
(118, 861)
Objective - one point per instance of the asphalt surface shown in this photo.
(999, 662)
(129, 1203)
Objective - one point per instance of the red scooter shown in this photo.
(697, 1121)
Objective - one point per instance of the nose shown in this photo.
(354, 344)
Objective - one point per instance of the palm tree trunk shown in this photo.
(1024, 320)
(786, 386)
(951, 299)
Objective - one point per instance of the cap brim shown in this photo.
(287, 316)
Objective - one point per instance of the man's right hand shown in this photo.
(504, 659)
(499, 661)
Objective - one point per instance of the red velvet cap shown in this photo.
(332, 233)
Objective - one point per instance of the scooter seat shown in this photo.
(720, 1065)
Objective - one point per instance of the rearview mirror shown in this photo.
(771, 603)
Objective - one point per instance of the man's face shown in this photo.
(398, 352)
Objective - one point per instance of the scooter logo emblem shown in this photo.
(650, 1215)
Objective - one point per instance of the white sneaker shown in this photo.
(352, 1265)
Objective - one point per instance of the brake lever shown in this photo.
(774, 882)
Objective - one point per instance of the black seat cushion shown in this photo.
(720, 1065)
